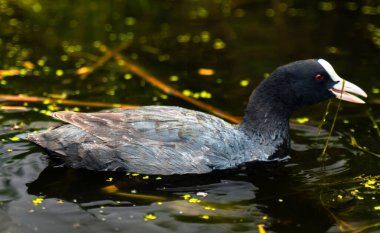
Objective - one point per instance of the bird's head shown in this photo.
(315, 80)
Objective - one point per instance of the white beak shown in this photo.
(343, 89)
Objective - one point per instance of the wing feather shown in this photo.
(163, 124)
(152, 139)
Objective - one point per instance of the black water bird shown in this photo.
(172, 140)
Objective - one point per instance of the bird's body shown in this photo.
(153, 140)
(172, 140)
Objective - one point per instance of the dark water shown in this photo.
(241, 41)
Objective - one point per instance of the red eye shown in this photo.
(319, 77)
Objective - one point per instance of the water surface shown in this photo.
(240, 43)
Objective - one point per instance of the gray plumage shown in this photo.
(150, 140)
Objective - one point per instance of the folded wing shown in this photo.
(152, 139)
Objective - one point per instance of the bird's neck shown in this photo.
(267, 115)
(266, 119)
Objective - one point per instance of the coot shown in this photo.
(172, 140)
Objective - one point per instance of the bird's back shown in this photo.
(149, 140)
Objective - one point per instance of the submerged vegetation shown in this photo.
(205, 55)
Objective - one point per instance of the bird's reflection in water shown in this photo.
(261, 193)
